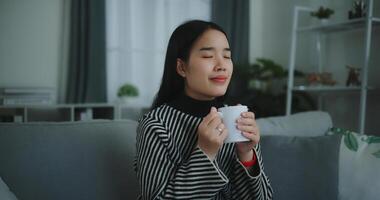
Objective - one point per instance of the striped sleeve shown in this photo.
(250, 183)
(160, 177)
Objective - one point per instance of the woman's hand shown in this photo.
(247, 125)
(211, 134)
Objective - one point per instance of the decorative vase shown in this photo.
(128, 100)
(262, 85)
(324, 21)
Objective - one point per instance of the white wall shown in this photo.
(270, 28)
(270, 31)
(30, 43)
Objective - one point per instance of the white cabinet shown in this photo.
(367, 23)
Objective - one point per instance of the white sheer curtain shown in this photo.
(137, 35)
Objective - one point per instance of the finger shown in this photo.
(248, 115)
(246, 121)
(220, 127)
(252, 137)
(215, 122)
(245, 128)
(210, 116)
(224, 134)
(248, 135)
(255, 131)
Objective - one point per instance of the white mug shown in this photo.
(229, 115)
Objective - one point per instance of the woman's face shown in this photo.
(209, 68)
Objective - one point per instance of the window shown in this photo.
(137, 35)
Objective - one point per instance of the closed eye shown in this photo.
(206, 56)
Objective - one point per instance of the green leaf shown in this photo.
(372, 139)
(351, 142)
(128, 90)
(377, 154)
(335, 130)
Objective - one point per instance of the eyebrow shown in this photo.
(212, 48)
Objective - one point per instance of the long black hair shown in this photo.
(180, 44)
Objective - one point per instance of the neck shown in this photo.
(197, 96)
(194, 106)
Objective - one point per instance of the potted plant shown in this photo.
(128, 93)
(265, 75)
(322, 13)
(261, 74)
(266, 72)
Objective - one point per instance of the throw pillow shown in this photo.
(302, 167)
(313, 123)
(5, 193)
(359, 165)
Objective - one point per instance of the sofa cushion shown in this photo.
(74, 160)
(302, 167)
(359, 165)
(5, 193)
(312, 123)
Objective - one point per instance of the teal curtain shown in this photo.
(87, 52)
(233, 17)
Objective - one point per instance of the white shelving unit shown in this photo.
(325, 88)
(366, 23)
(68, 112)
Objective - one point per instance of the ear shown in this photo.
(181, 68)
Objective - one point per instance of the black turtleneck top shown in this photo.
(197, 108)
(170, 165)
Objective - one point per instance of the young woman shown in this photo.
(180, 149)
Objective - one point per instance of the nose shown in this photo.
(220, 66)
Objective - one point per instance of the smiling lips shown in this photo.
(219, 79)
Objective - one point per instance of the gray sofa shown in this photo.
(80, 160)
(94, 160)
